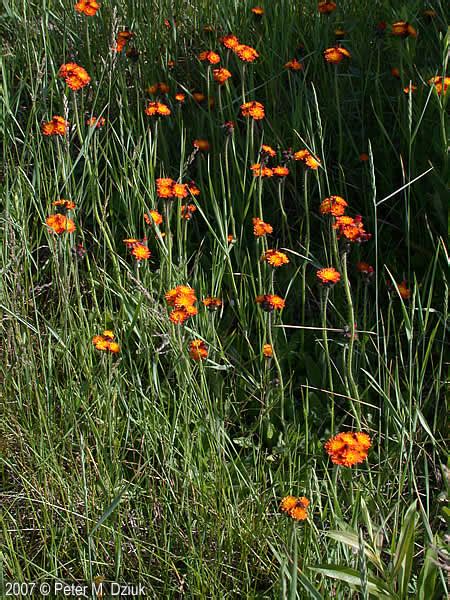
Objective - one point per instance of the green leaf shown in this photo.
(352, 540)
(404, 551)
(108, 511)
(376, 586)
(426, 585)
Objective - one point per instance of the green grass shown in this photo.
(148, 466)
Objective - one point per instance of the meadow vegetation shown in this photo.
(217, 256)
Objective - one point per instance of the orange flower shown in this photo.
(96, 122)
(60, 223)
(157, 109)
(403, 290)
(325, 8)
(267, 151)
(395, 72)
(202, 145)
(336, 54)
(364, 268)
(230, 238)
(295, 507)
(212, 302)
(258, 11)
(193, 189)
(140, 251)
(182, 298)
(363, 157)
(209, 56)
(339, 33)
(246, 53)
(410, 88)
(164, 187)
(179, 190)
(253, 109)
(187, 211)
(267, 351)
(64, 204)
(130, 242)
(199, 96)
(275, 258)
(260, 228)
(221, 75)
(158, 88)
(439, 83)
(198, 350)
(403, 29)
(294, 65)
(178, 316)
(170, 64)
(75, 76)
(87, 7)
(180, 97)
(57, 126)
(123, 37)
(280, 171)
(352, 229)
(229, 41)
(270, 302)
(261, 171)
(328, 276)
(105, 342)
(334, 205)
(348, 448)
(153, 216)
(308, 159)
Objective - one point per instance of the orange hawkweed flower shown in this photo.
(440, 84)
(230, 238)
(87, 7)
(336, 54)
(294, 65)
(395, 72)
(221, 75)
(182, 298)
(280, 171)
(364, 268)
(105, 342)
(267, 351)
(140, 251)
(164, 187)
(270, 302)
(258, 11)
(352, 229)
(260, 228)
(193, 189)
(64, 204)
(153, 217)
(334, 205)
(403, 290)
(328, 276)
(212, 302)
(199, 96)
(123, 37)
(267, 151)
(130, 242)
(209, 56)
(295, 507)
(96, 122)
(187, 211)
(363, 157)
(307, 158)
(261, 171)
(403, 29)
(229, 41)
(180, 97)
(253, 109)
(157, 109)
(57, 126)
(158, 88)
(198, 350)
(246, 53)
(411, 88)
(275, 258)
(60, 223)
(348, 448)
(179, 190)
(75, 76)
(325, 8)
(202, 145)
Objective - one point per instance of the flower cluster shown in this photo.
(198, 350)
(307, 159)
(253, 109)
(295, 507)
(76, 77)
(106, 343)
(57, 126)
(270, 302)
(87, 7)
(182, 298)
(348, 448)
(139, 248)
